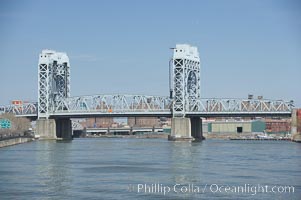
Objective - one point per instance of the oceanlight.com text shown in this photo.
(159, 188)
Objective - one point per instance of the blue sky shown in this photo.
(123, 46)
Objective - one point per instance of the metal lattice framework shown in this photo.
(242, 106)
(76, 126)
(54, 81)
(148, 105)
(114, 104)
(27, 109)
(186, 79)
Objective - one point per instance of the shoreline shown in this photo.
(142, 136)
(207, 137)
(5, 142)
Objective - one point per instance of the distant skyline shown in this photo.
(246, 47)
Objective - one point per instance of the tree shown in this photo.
(19, 124)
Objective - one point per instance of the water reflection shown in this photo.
(185, 162)
(53, 171)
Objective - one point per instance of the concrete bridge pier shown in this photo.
(196, 128)
(64, 128)
(186, 129)
(296, 135)
(46, 129)
(51, 129)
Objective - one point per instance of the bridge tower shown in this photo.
(53, 87)
(185, 91)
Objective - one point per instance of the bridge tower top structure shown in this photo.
(53, 81)
(185, 79)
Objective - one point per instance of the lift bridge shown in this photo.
(55, 106)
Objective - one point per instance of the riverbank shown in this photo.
(130, 136)
(4, 142)
(224, 136)
(245, 136)
(285, 139)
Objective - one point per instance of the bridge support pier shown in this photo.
(50, 129)
(196, 128)
(186, 129)
(46, 129)
(296, 136)
(64, 128)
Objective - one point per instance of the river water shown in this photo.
(118, 168)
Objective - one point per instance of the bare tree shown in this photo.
(19, 124)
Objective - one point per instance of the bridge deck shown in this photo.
(162, 114)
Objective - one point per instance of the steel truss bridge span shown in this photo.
(144, 105)
(23, 110)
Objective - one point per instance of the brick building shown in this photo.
(98, 122)
(278, 125)
(144, 121)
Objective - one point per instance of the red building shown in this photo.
(277, 125)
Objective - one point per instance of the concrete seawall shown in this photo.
(14, 141)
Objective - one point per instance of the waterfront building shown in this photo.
(234, 126)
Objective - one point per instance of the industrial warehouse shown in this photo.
(235, 126)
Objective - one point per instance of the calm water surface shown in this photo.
(143, 168)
